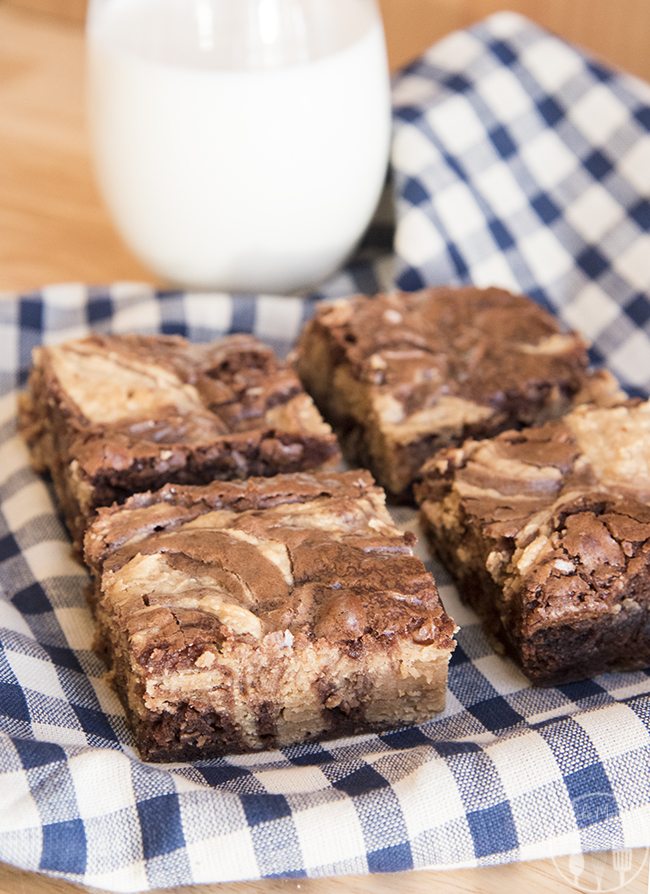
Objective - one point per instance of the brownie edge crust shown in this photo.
(547, 532)
(108, 416)
(241, 616)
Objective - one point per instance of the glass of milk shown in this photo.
(239, 144)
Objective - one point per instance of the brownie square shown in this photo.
(402, 375)
(108, 416)
(249, 615)
(547, 532)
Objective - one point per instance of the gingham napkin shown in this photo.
(516, 161)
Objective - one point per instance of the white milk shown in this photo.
(254, 179)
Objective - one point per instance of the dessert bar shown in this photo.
(547, 532)
(401, 375)
(248, 615)
(112, 415)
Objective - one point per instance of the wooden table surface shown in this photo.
(53, 228)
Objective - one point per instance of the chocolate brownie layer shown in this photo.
(402, 375)
(112, 415)
(547, 532)
(241, 616)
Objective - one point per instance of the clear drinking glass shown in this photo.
(239, 144)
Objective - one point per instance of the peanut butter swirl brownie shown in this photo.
(250, 615)
(112, 415)
(404, 374)
(547, 532)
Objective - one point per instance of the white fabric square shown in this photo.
(591, 311)
(294, 781)
(633, 263)
(614, 730)
(552, 63)
(456, 124)
(18, 809)
(523, 762)
(635, 825)
(546, 257)
(70, 295)
(552, 816)
(499, 188)
(211, 310)
(385, 268)
(502, 673)
(545, 714)
(65, 736)
(452, 704)
(630, 360)
(548, 159)
(458, 210)
(568, 843)
(635, 165)
(8, 360)
(34, 673)
(594, 213)
(256, 759)
(329, 833)
(506, 24)
(277, 317)
(505, 95)
(102, 782)
(107, 697)
(412, 151)
(456, 51)
(27, 503)
(413, 91)
(51, 558)
(12, 619)
(77, 626)
(598, 114)
(13, 453)
(130, 877)
(8, 408)
(494, 271)
(431, 787)
(417, 240)
(229, 856)
(184, 783)
(140, 316)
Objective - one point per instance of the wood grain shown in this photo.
(54, 228)
(71, 10)
(616, 30)
(540, 877)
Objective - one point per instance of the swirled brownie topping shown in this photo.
(324, 559)
(303, 578)
(110, 415)
(548, 532)
(403, 374)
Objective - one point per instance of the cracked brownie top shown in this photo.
(560, 511)
(301, 557)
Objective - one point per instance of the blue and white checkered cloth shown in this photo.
(516, 161)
